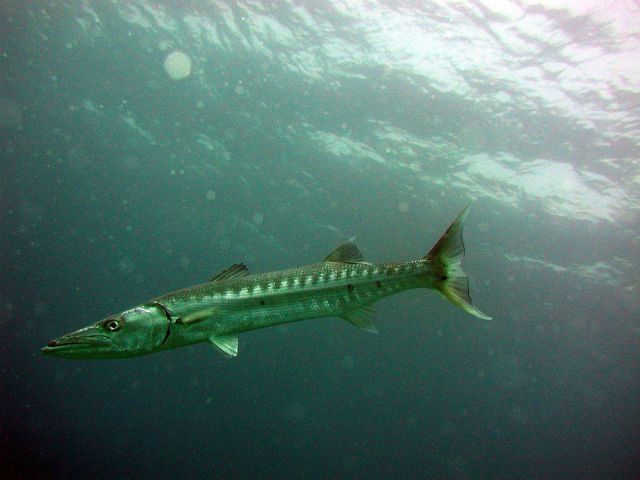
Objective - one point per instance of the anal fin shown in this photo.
(227, 344)
(362, 318)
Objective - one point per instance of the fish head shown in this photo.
(137, 331)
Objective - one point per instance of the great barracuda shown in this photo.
(232, 302)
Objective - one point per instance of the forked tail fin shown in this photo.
(446, 259)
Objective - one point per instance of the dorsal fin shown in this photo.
(345, 253)
(235, 270)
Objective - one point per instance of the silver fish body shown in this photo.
(233, 302)
(325, 289)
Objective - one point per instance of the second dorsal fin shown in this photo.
(236, 270)
(345, 253)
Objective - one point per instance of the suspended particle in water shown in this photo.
(258, 218)
(403, 207)
(10, 113)
(211, 195)
(348, 362)
(130, 162)
(295, 412)
(178, 65)
(126, 265)
(518, 416)
(40, 308)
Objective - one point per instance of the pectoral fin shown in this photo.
(362, 318)
(227, 344)
(194, 317)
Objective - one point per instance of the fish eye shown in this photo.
(113, 325)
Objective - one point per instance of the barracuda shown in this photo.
(233, 301)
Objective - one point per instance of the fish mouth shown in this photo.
(85, 347)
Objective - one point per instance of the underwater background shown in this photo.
(147, 145)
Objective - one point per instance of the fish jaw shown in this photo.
(86, 343)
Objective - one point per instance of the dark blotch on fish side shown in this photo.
(350, 288)
(261, 302)
(378, 284)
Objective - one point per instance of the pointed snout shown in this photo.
(83, 345)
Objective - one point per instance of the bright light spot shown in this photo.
(178, 65)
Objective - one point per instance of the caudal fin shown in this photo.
(446, 260)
